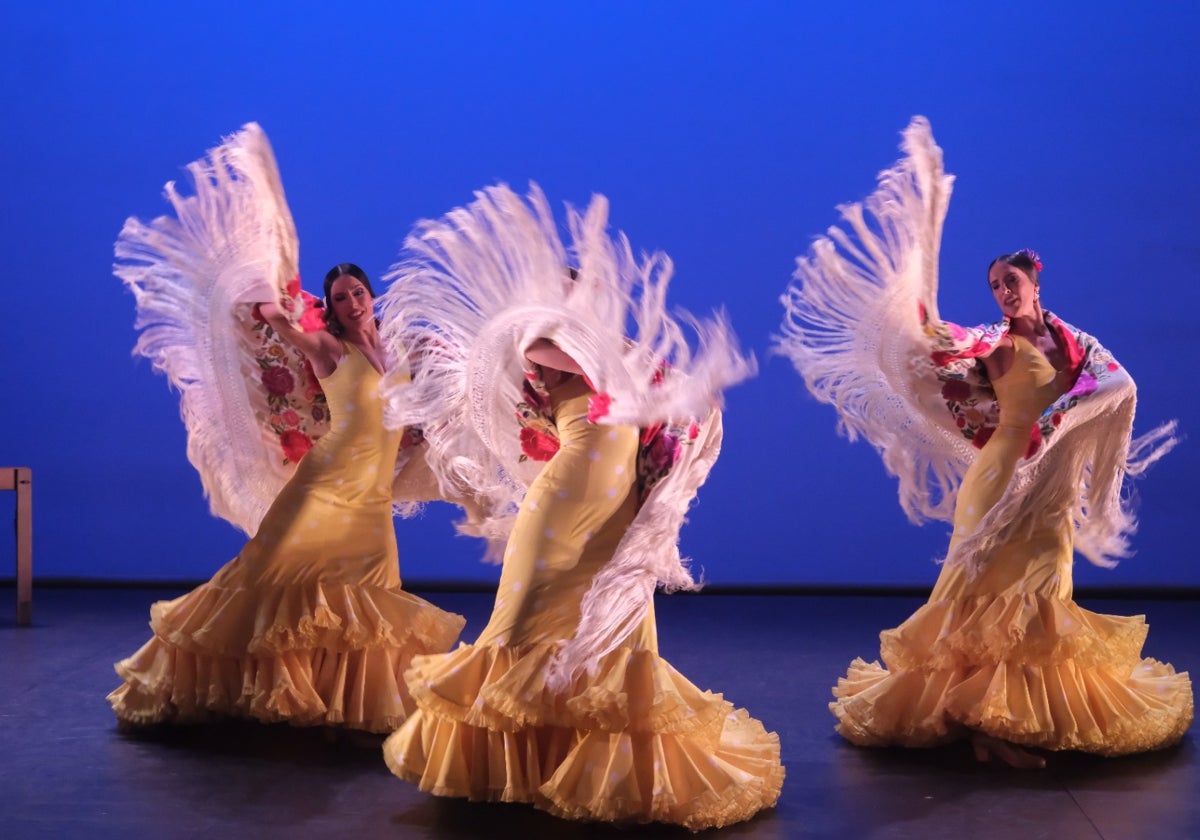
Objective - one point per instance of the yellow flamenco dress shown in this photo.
(1009, 653)
(308, 624)
(634, 741)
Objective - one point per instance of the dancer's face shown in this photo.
(1014, 292)
(352, 304)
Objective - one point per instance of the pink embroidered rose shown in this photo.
(1085, 384)
(979, 348)
(662, 453)
(536, 445)
(294, 444)
(278, 381)
(693, 431)
(598, 407)
(290, 418)
(313, 320)
(957, 332)
(1112, 366)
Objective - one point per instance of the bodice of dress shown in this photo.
(1028, 387)
(358, 445)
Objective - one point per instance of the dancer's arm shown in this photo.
(547, 354)
(321, 349)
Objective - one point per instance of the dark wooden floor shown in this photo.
(66, 772)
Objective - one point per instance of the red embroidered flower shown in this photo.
(278, 381)
(956, 390)
(1035, 441)
(290, 418)
(1056, 418)
(982, 436)
(598, 406)
(1113, 366)
(293, 287)
(921, 312)
(693, 431)
(536, 445)
(294, 444)
(256, 314)
(961, 421)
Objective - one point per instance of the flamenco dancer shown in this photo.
(1020, 432)
(529, 386)
(308, 624)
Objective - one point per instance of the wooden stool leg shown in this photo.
(24, 488)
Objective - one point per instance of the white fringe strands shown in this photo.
(852, 329)
(230, 244)
(477, 287)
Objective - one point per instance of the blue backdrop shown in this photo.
(723, 134)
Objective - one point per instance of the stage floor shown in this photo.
(65, 771)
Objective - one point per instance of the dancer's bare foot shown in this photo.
(985, 747)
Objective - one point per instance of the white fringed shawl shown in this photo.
(193, 276)
(472, 292)
(861, 327)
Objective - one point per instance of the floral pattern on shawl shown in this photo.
(294, 408)
(968, 394)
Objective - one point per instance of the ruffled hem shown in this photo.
(1103, 710)
(1018, 628)
(643, 745)
(271, 620)
(695, 784)
(351, 676)
(504, 688)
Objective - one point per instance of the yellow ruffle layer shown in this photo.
(323, 653)
(636, 742)
(1036, 671)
